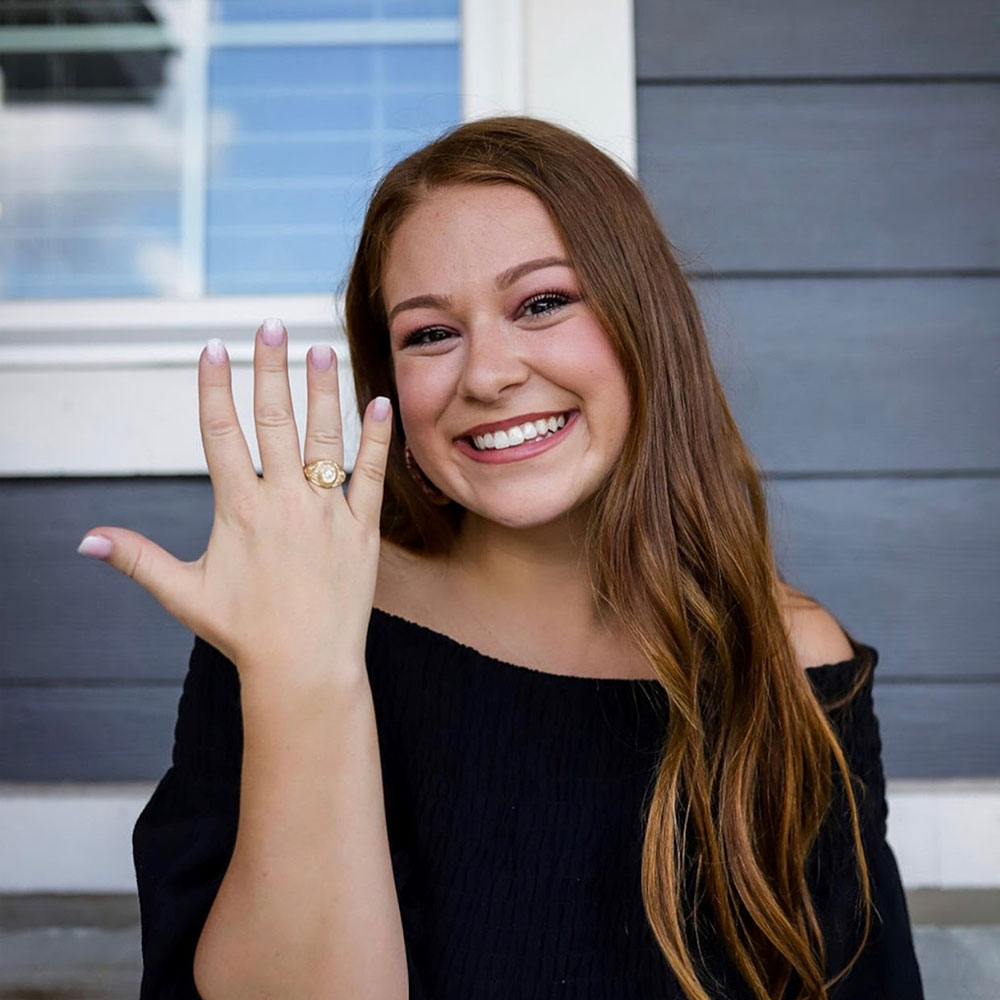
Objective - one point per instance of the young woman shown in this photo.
(529, 710)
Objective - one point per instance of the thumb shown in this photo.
(150, 565)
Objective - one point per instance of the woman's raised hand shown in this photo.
(289, 572)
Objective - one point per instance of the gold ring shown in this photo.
(325, 473)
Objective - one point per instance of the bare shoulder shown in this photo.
(816, 636)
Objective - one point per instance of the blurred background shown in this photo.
(175, 170)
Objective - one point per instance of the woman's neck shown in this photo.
(530, 566)
(520, 595)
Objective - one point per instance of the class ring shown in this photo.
(325, 473)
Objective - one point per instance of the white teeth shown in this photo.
(519, 433)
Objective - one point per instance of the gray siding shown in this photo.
(829, 175)
(92, 666)
(825, 178)
(816, 39)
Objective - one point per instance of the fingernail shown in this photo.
(272, 332)
(215, 351)
(322, 356)
(380, 408)
(95, 545)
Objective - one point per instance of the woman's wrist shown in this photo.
(301, 680)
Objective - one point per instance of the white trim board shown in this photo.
(29, 323)
(585, 82)
(946, 834)
(76, 838)
(111, 388)
(132, 409)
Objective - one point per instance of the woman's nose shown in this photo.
(493, 364)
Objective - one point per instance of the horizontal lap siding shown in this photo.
(816, 38)
(908, 565)
(814, 177)
(89, 732)
(866, 375)
(74, 618)
(829, 174)
(91, 677)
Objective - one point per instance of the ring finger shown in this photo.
(324, 424)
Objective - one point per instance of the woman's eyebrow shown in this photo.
(420, 302)
(507, 278)
(502, 281)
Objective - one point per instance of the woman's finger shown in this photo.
(364, 493)
(324, 426)
(173, 583)
(277, 436)
(230, 466)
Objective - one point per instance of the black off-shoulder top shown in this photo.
(514, 802)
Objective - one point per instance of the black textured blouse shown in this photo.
(514, 808)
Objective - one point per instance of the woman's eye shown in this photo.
(545, 303)
(429, 335)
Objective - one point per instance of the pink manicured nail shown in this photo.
(215, 351)
(380, 408)
(95, 545)
(322, 356)
(272, 332)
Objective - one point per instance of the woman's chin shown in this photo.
(525, 515)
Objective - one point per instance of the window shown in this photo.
(181, 148)
(173, 163)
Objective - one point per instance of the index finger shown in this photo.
(364, 492)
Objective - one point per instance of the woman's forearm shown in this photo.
(308, 906)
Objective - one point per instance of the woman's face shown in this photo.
(511, 396)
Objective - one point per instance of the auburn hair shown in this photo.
(680, 554)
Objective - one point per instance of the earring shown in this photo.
(426, 486)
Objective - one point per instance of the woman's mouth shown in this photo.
(519, 433)
(518, 440)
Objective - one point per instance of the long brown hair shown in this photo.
(681, 556)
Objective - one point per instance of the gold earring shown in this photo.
(426, 486)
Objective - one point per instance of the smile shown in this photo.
(523, 439)
(519, 433)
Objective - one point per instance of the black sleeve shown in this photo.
(184, 837)
(887, 966)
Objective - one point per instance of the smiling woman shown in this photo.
(416, 762)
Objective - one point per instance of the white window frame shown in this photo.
(108, 386)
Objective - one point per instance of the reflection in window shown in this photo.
(89, 151)
(296, 141)
(145, 154)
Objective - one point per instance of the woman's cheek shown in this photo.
(422, 396)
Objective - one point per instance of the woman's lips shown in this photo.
(518, 452)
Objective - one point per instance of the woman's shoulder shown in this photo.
(817, 638)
